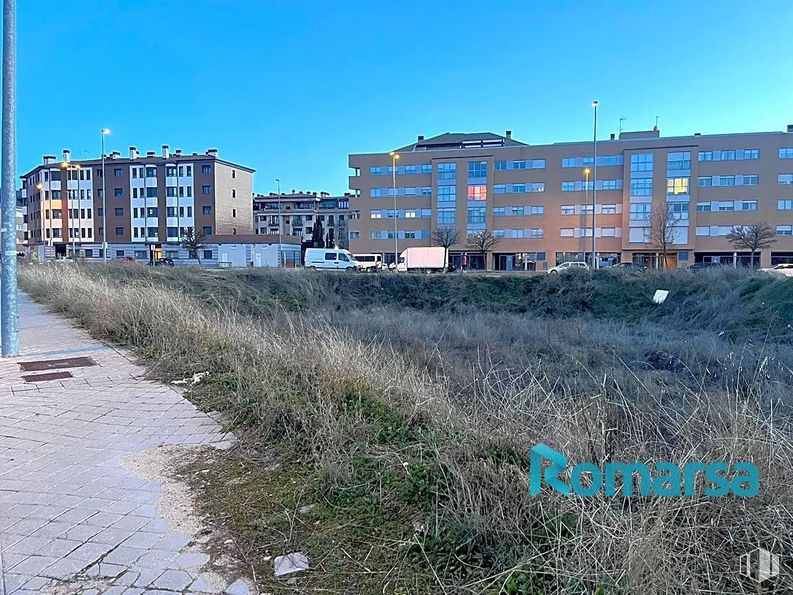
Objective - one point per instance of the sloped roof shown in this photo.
(462, 140)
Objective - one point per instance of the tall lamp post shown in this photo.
(586, 202)
(594, 180)
(103, 133)
(278, 192)
(73, 167)
(394, 158)
(9, 315)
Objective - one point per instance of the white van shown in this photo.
(369, 262)
(329, 258)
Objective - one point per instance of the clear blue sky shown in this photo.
(291, 87)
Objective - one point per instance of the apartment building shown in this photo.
(296, 213)
(537, 199)
(152, 201)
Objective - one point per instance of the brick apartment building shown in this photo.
(535, 198)
(295, 214)
(152, 201)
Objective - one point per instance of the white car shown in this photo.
(569, 266)
(785, 269)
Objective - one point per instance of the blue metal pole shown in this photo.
(9, 318)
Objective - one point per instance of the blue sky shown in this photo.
(291, 87)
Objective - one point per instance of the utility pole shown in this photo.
(594, 180)
(9, 313)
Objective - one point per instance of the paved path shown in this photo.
(72, 518)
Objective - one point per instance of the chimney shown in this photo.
(697, 134)
(178, 152)
(611, 136)
(49, 159)
(509, 134)
(790, 127)
(212, 152)
(420, 138)
(133, 153)
(150, 153)
(67, 155)
(115, 155)
(165, 152)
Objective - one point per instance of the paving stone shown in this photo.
(173, 580)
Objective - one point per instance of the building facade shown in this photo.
(152, 202)
(296, 213)
(536, 200)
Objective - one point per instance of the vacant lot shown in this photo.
(388, 418)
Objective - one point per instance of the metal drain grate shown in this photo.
(46, 377)
(54, 364)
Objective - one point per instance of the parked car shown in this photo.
(164, 262)
(125, 259)
(784, 269)
(369, 262)
(569, 266)
(701, 266)
(330, 259)
(630, 266)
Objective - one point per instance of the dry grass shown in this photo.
(433, 415)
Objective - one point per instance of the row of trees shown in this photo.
(447, 236)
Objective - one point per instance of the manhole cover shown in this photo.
(54, 364)
(47, 376)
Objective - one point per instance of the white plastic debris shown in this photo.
(290, 563)
(660, 296)
(192, 381)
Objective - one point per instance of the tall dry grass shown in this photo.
(293, 378)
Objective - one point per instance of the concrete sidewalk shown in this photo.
(73, 519)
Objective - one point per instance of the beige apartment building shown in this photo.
(152, 201)
(536, 200)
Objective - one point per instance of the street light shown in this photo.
(67, 167)
(594, 179)
(586, 202)
(103, 133)
(47, 225)
(394, 157)
(278, 192)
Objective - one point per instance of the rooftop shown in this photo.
(462, 140)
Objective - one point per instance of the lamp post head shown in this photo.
(595, 103)
(586, 171)
(105, 131)
(39, 186)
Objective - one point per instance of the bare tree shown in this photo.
(483, 241)
(194, 242)
(663, 232)
(445, 236)
(752, 237)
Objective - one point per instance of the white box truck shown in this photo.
(422, 259)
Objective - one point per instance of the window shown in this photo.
(119, 212)
(151, 192)
(518, 165)
(729, 155)
(170, 211)
(477, 192)
(447, 171)
(641, 186)
(678, 160)
(640, 212)
(206, 169)
(120, 232)
(205, 190)
(784, 230)
(499, 165)
(747, 205)
(447, 194)
(784, 205)
(642, 162)
(206, 210)
(151, 172)
(749, 180)
(118, 192)
(208, 254)
(608, 210)
(704, 181)
(117, 172)
(603, 161)
(568, 210)
(567, 232)
(207, 230)
(446, 216)
(786, 153)
(785, 178)
(679, 210)
(725, 180)
(172, 232)
(703, 207)
(677, 185)
(170, 191)
(477, 169)
(477, 214)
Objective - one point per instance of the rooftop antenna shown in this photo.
(622, 119)
(656, 123)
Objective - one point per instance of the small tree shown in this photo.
(483, 241)
(194, 242)
(317, 236)
(662, 229)
(752, 237)
(445, 236)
